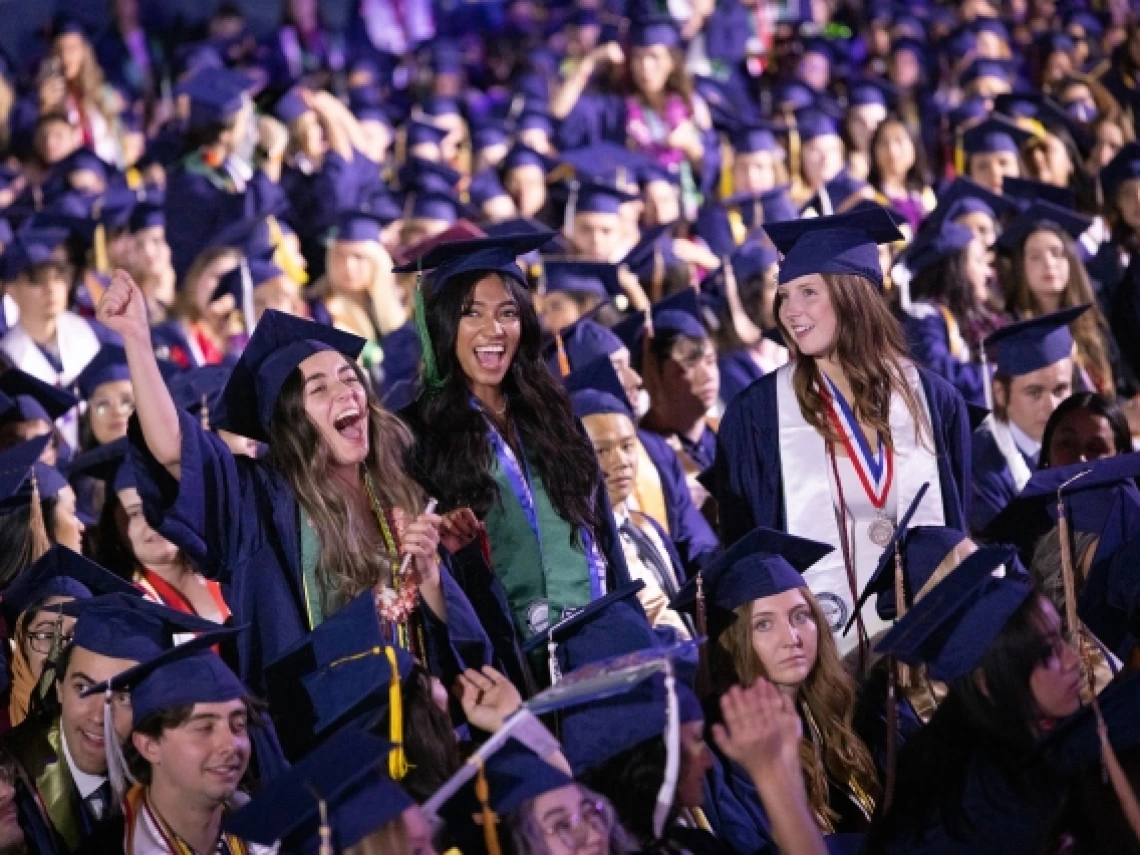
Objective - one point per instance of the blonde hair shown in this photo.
(390, 839)
(385, 312)
(827, 696)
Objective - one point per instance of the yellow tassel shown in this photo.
(283, 255)
(483, 794)
(726, 163)
(900, 609)
(959, 154)
(102, 260)
(563, 359)
(397, 761)
(1067, 577)
(38, 540)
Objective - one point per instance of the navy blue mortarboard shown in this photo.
(440, 205)
(16, 467)
(261, 270)
(339, 674)
(982, 68)
(345, 777)
(183, 675)
(555, 243)
(34, 399)
(842, 243)
(31, 247)
(1029, 220)
(108, 463)
(420, 174)
(278, 345)
(520, 156)
(124, 625)
(680, 314)
(595, 198)
(932, 245)
(491, 254)
(147, 215)
(422, 133)
(965, 196)
(794, 95)
(199, 390)
(357, 226)
(838, 194)
(595, 278)
(816, 123)
(650, 171)
(216, 95)
(1087, 20)
(291, 106)
(1025, 190)
(59, 572)
(992, 25)
(603, 162)
(654, 31)
(488, 135)
(1125, 166)
(653, 249)
(950, 629)
(1026, 346)
(584, 341)
(763, 563)
(609, 626)
(775, 206)
(107, 366)
(595, 390)
(868, 92)
(994, 135)
(749, 139)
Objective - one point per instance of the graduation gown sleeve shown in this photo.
(951, 426)
(735, 810)
(929, 342)
(690, 531)
(738, 371)
(994, 487)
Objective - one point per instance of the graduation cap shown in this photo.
(1026, 190)
(199, 390)
(441, 205)
(31, 247)
(420, 174)
(596, 198)
(773, 206)
(596, 278)
(993, 135)
(59, 572)
(932, 245)
(814, 123)
(147, 215)
(526, 226)
(487, 135)
(423, 133)
(909, 44)
(520, 156)
(869, 91)
(952, 627)
(343, 674)
(653, 253)
(109, 365)
(763, 563)
(965, 196)
(1037, 214)
(841, 243)
(259, 270)
(122, 624)
(18, 487)
(838, 194)
(753, 138)
(216, 96)
(983, 68)
(107, 463)
(338, 795)
(581, 343)
(535, 118)
(279, 344)
(1125, 166)
(357, 225)
(595, 389)
(34, 399)
(437, 106)
(654, 31)
(1026, 346)
(602, 162)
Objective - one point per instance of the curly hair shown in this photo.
(451, 430)
(347, 564)
(828, 695)
(871, 350)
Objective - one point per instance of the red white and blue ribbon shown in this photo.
(875, 471)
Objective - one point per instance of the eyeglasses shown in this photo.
(123, 407)
(41, 641)
(574, 830)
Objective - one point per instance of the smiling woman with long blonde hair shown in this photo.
(829, 446)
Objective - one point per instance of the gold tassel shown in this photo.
(38, 540)
(325, 830)
(1116, 774)
(483, 794)
(726, 163)
(397, 760)
(900, 610)
(1067, 576)
(283, 255)
(563, 359)
(959, 154)
(102, 260)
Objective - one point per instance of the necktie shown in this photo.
(649, 556)
(99, 802)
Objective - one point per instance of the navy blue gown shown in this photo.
(994, 487)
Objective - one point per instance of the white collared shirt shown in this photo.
(1025, 444)
(87, 784)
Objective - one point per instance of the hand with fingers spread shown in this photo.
(122, 309)
(488, 697)
(761, 730)
(458, 528)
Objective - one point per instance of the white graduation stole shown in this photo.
(809, 504)
(1018, 468)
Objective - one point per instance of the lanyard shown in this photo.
(875, 475)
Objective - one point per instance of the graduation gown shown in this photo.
(930, 341)
(738, 371)
(994, 484)
(239, 522)
(689, 530)
(746, 477)
(48, 803)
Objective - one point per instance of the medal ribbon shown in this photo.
(874, 475)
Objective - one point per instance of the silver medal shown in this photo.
(880, 532)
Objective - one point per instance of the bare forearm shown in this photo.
(571, 90)
(785, 801)
(158, 417)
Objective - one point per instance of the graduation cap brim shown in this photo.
(136, 674)
(1035, 216)
(55, 401)
(566, 627)
(1025, 346)
(49, 575)
(884, 574)
(877, 224)
(497, 254)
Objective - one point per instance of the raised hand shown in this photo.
(487, 697)
(122, 309)
(761, 730)
(458, 528)
(420, 539)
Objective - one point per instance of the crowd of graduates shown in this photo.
(598, 426)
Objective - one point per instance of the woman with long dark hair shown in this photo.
(974, 778)
(328, 514)
(829, 446)
(529, 477)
